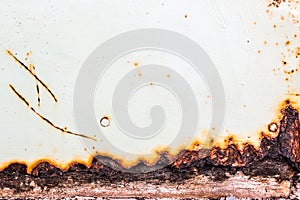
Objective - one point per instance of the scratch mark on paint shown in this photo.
(37, 87)
(64, 130)
(32, 73)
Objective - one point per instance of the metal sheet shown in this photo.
(238, 60)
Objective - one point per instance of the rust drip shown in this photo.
(63, 130)
(33, 74)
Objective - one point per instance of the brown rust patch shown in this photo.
(276, 156)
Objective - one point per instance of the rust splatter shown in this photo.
(276, 3)
(63, 130)
(33, 74)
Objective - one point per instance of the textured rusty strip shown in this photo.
(277, 157)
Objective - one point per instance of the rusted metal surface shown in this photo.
(275, 165)
(255, 47)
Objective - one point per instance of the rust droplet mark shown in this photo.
(273, 127)
(136, 64)
(33, 74)
(185, 16)
(105, 121)
(45, 119)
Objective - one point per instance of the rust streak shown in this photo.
(47, 120)
(32, 73)
(37, 88)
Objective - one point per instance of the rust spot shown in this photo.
(185, 16)
(284, 62)
(287, 43)
(33, 74)
(63, 130)
(273, 127)
(105, 121)
(136, 64)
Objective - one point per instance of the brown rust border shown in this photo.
(275, 166)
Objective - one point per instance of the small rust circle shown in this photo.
(105, 121)
(273, 127)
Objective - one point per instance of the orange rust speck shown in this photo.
(136, 64)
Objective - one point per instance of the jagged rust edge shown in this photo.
(286, 144)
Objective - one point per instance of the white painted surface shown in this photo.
(61, 35)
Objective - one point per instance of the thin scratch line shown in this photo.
(33, 74)
(37, 87)
(47, 120)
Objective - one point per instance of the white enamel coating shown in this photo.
(247, 41)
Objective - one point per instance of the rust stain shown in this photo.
(32, 73)
(63, 130)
